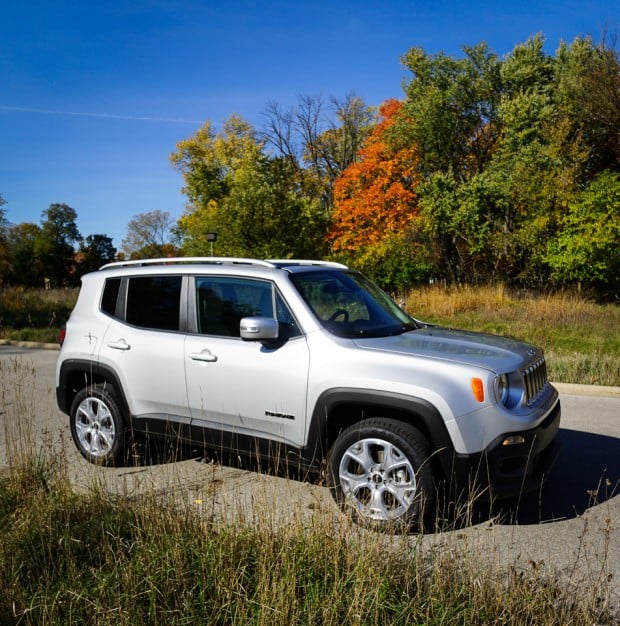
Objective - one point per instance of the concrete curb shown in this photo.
(569, 389)
(566, 389)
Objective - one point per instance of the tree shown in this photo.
(587, 247)
(506, 147)
(95, 251)
(376, 195)
(250, 199)
(4, 248)
(26, 268)
(375, 205)
(450, 110)
(55, 243)
(150, 235)
(201, 167)
(318, 139)
(587, 94)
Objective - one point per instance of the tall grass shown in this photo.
(581, 338)
(34, 314)
(94, 559)
(97, 558)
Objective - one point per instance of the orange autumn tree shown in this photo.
(375, 198)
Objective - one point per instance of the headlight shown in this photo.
(502, 389)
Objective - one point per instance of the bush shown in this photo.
(22, 308)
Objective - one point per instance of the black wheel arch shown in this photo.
(75, 374)
(339, 408)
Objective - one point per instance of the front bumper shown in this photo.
(502, 471)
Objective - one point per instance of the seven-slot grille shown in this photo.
(535, 379)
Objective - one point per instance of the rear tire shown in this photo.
(380, 472)
(97, 425)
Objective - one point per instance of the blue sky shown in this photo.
(95, 95)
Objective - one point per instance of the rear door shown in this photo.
(144, 345)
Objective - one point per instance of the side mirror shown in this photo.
(259, 329)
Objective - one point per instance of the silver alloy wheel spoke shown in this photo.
(377, 479)
(95, 427)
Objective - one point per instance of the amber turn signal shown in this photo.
(477, 387)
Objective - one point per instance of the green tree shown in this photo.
(251, 200)
(202, 168)
(506, 146)
(265, 216)
(450, 109)
(587, 95)
(26, 268)
(95, 251)
(55, 244)
(587, 247)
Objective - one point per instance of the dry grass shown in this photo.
(97, 558)
(77, 559)
(581, 338)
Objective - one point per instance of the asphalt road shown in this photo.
(570, 528)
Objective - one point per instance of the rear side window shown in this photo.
(154, 302)
(110, 296)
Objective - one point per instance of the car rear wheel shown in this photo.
(380, 471)
(97, 426)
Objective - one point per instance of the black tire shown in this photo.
(97, 425)
(393, 494)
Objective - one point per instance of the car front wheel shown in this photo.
(97, 425)
(380, 470)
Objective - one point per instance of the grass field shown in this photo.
(69, 558)
(91, 557)
(581, 338)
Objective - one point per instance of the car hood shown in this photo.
(499, 354)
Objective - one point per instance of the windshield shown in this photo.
(349, 305)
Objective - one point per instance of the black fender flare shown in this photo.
(416, 411)
(93, 371)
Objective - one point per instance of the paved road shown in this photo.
(572, 527)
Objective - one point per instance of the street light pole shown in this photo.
(211, 238)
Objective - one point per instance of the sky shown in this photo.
(95, 95)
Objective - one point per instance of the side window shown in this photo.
(110, 296)
(154, 302)
(221, 303)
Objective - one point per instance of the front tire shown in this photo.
(380, 470)
(97, 425)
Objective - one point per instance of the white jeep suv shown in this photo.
(309, 363)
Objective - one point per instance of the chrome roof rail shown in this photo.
(211, 260)
(282, 262)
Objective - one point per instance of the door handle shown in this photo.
(121, 344)
(205, 356)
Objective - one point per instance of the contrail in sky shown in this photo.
(113, 116)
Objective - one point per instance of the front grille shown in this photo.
(535, 380)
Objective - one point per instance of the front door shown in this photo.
(239, 386)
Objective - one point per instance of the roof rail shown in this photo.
(280, 262)
(213, 260)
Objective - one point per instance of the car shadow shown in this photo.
(586, 474)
